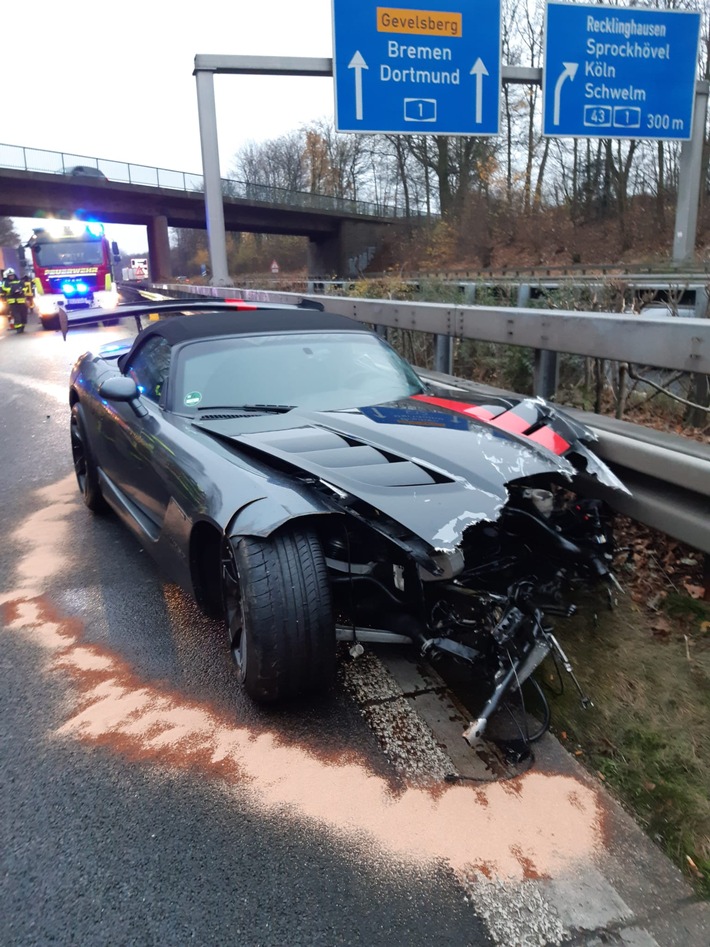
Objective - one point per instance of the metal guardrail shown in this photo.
(665, 342)
(20, 158)
(669, 475)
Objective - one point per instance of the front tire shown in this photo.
(278, 614)
(87, 475)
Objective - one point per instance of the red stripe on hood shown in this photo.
(461, 407)
(508, 421)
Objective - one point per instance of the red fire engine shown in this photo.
(71, 260)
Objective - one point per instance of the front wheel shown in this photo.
(278, 614)
(87, 475)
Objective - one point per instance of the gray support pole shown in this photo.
(691, 155)
(443, 354)
(469, 293)
(545, 366)
(159, 250)
(214, 208)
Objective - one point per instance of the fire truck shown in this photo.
(71, 261)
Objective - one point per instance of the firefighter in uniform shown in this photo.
(28, 291)
(13, 290)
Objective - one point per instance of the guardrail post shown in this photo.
(469, 293)
(700, 383)
(545, 367)
(443, 354)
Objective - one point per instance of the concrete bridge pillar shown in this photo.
(347, 252)
(159, 249)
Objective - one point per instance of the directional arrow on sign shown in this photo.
(358, 64)
(479, 71)
(569, 72)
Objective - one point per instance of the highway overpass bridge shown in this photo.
(339, 230)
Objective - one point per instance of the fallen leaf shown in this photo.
(696, 591)
(661, 626)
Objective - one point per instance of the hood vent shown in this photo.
(344, 458)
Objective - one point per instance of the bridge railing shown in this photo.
(20, 158)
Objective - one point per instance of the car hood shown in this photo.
(434, 465)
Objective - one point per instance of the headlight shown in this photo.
(107, 299)
(47, 305)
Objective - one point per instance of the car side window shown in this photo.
(149, 368)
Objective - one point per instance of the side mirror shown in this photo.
(114, 249)
(125, 390)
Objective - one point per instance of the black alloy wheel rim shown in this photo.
(78, 454)
(233, 612)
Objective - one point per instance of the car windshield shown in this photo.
(69, 253)
(321, 371)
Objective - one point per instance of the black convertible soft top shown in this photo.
(242, 322)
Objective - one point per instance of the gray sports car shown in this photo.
(297, 477)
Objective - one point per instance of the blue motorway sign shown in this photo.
(618, 72)
(432, 67)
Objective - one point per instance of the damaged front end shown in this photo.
(485, 605)
(461, 527)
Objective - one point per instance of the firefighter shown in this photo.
(28, 291)
(13, 290)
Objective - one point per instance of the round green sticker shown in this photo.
(192, 398)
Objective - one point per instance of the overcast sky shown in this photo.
(115, 80)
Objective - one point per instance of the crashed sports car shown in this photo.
(299, 478)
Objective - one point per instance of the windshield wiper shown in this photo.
(271, 408)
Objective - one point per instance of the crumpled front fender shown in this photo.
(263, 516)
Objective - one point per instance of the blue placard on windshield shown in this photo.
(618, 72)
(430, 67)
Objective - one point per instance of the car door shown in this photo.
(140, 453)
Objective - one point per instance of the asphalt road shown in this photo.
(144, 800)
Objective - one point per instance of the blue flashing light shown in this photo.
(95, 228)
(68, 289)
(82, 288)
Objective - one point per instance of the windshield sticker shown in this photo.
(192, 398)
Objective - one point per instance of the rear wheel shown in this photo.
(84, 466)
(278, 614)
